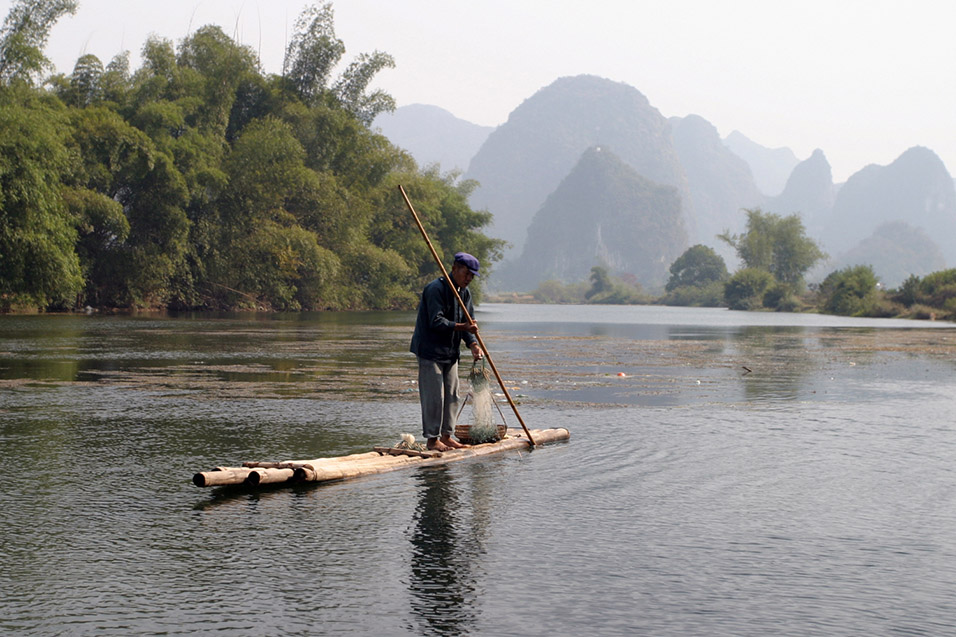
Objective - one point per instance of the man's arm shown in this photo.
(435, 310)
(471, 329)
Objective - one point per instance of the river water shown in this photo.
(728, 473)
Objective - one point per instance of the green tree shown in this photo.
(711, 295)
(781, 297)
(263, 252)
(256, 97)
(937, 288)
(92, 85)
(38, 262)
(154, 203)
(851, 291)
(351, 88)
(376, 278)
(23, 38)
(102, 228)
(160, 78)
(121, 162)
(218, 67)
(115, 82)
(554, 291)
(197, 181)
(85, 84)
(932, 296)
(337, 143)
(311, 57)
(699, 266)
(600, 282)
(452, 226)
(777, 245)
(609, 290)
(908, 292)
(266, 170)
(282, 267)
(746, 289)
(313, 52)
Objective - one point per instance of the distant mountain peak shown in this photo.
(809, 192)
(698, 124)
(721, 183)
(525, 159)
(915, 188)
(770, 166)
(433, 135)
(602, 213)
(813, 171)
(895, 250)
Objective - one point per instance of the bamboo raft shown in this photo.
(380, 460)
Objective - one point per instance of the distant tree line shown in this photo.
(776, 255)
(601, 289)
(198, 181)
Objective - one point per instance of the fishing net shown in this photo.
(483, 429)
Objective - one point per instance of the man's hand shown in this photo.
(476, 351)
(467, 327)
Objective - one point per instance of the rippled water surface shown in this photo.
(727, 474)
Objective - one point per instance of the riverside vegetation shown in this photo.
(200, 182)
(776, 255)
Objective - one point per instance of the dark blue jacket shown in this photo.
(435, 338)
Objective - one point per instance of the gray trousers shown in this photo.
(438, 391)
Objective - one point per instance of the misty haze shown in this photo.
(900, 219)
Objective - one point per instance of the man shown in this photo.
(439, 330)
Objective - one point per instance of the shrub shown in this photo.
(699, 267)
(711, 295)
(908, 292)
(746, 289)
(777, 297)
(850, 291)
(933, 283)
(886, 308)
(922, 312)
(942, 295)
(553, 291)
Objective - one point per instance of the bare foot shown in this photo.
(434, 444)
(448, 441)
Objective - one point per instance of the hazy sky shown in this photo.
(863, 80)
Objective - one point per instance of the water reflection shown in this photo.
(800, 363)
(442, 586)
(832, 461)
(246, 498)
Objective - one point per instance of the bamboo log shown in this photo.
(396, 451)
(221, 476)
(268, 476)
(269, 465)
(304, 473)
(293, 464)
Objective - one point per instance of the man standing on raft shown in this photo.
(439, 331)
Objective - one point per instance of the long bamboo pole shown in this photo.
(464, 310)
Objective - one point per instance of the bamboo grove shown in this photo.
(198, 181)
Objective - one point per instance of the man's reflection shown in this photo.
(442, 584)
